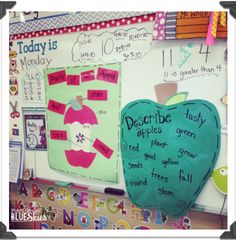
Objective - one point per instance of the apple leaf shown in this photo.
(179, 97)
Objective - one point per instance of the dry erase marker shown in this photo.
(114, 191)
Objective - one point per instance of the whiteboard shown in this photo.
(141, 70)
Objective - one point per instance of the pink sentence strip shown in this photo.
(57, 77)
(100, 95)
(107, 75)
(56, 107)
(87, 76)
(102, 148)
(73, 79)
(58, 135)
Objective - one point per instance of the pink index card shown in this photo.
(56, 107)
(107, 75)
(57, 77)
(102, 148)
(99, 95)
(73, 79)
(87, 76)
(58, 135)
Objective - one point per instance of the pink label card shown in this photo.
(107, 75)
(99, 95)
(57, 77)
(102, 148)
(87, 76)
(73, 79)
(56, 107)
(58, 135)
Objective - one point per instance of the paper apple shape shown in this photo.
(80, 119)
(220, 179)
(168, 152)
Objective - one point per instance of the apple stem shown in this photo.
(80, 100)
(164, 91)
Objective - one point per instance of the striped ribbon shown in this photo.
(212, 28)
(223, 19)
(214, 24)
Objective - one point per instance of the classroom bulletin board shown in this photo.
(104, 62)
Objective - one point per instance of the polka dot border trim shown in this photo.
(87, 27)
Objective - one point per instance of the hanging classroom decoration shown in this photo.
(83, 105)
(168, 152)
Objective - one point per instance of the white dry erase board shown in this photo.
(144, 63)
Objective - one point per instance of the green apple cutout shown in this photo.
(168, 152)
(220, 179)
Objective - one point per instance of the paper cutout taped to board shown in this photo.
(168, 152)
(88, 76)
(164, 91)
(56, 107)
(220, 179)
(107, 75)
(73, 79)
(80, 118)
(59, 135)
(57, 77)
(99, 95)
(102, 148)
(80, 158)
(177, 98)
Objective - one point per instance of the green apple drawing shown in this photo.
(168, 152)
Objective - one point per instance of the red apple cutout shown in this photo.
(80, 119)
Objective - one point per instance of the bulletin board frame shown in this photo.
(208, 233)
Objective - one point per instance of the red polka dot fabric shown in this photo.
(88, 27)
(159, 26)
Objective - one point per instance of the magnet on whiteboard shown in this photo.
(27, 174)
(15, 130)
(224, 99)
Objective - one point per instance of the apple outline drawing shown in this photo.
(146, 197)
